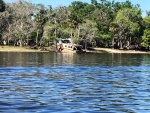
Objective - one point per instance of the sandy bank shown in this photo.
(18, 49)
(109, 50)
(96, 50)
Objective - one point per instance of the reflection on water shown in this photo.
(57, 59)
(94, 83)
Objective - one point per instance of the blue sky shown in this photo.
(144, 4)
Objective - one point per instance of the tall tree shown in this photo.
(88, 32)
(77, 14)
(146, 35)
(103, 17)
(128, 21)
(20, 25)
(148, 13)
(2, 16)
(40, 19)
(2, 6)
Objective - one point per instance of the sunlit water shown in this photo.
(74, 83)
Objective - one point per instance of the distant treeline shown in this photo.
(98, 24)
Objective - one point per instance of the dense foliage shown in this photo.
(101, 23)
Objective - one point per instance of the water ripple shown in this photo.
(93, 89)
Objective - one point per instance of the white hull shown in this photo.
(74, 48)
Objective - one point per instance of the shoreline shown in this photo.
(95, 50)
(111, 50)
(19, 49)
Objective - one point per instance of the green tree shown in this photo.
(103, 17)
(88, 32)
(2, 6)
(2, 16)
(102, 20)
(76, 16)
(146, 35)
(128, 21)
(148, 13)
(40, 19)
(18, 21)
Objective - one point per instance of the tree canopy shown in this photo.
(2, 6)
(100, 23)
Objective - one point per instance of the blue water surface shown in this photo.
(82, 86)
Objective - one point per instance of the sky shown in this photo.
(144, 4)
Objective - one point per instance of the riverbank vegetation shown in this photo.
(101, 23)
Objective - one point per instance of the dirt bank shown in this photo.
(96, 50)
(18, 49)
(109, 50)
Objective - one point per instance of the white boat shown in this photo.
(72, 47)
(66, 45)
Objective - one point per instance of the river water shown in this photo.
(74, 83)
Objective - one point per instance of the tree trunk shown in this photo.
(37, 35)
(71, 33)
(120, 44)
(113, 41)
(79, 32)
(20, 41)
